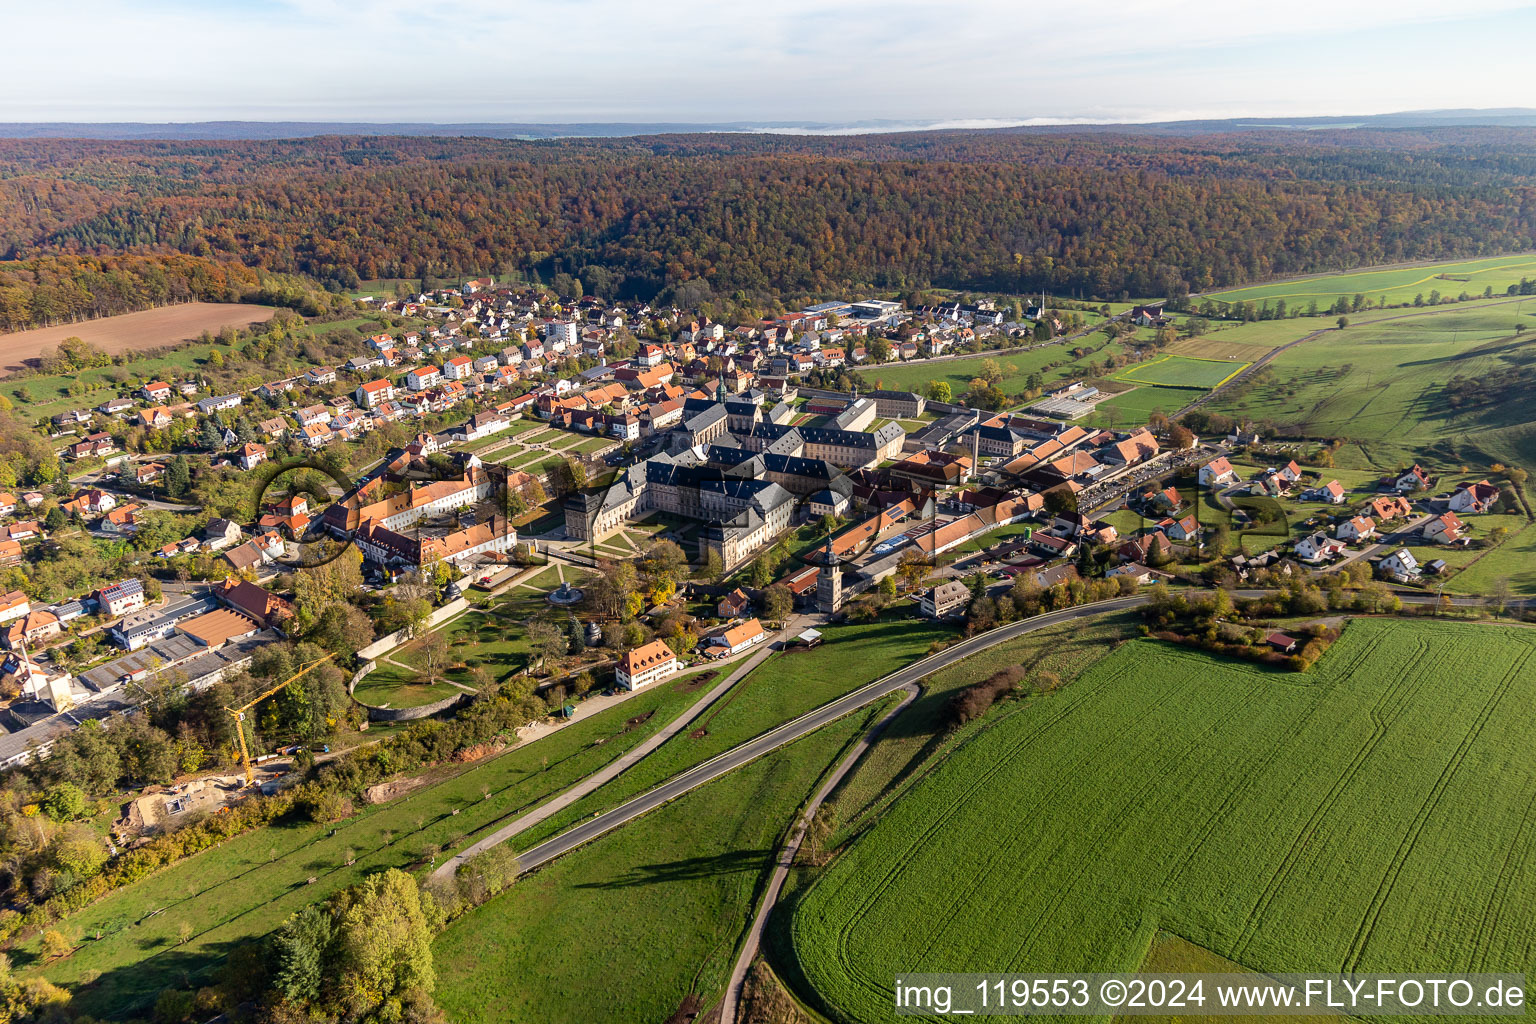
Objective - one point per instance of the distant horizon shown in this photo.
(260, 128)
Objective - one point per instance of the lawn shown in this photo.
(784, 687)
(390, 687)
(588, 446)
(245, 887)
(1182, 372)
(1371, 816)
(1134, 407)
(1396, 284)
(623, 929)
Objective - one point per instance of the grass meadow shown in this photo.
(1373, 815)
(129, 946)
(627, 927)
(783, 687)
(1397, 284)
(1382, 386)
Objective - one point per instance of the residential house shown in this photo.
(1357, 529)
(252, 455)
(739, 638)
(121, 598)
(93, 446)
(157, 417)
(1443, 529)
(374, 393)
(644, 665)
(1400, 565)
(218, 403)
(320, 375)
(948, 598)
(1318, 547)
(1218, 473)
(1415, 479)
(1331, 493)
(122, 520)
(1478, 497)
(423, 377)
(156, 391)
(733, 605)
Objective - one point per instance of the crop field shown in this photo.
(1182, 372)
(243, 888)
(1208, 347)
(1383, 385)
(1397, 284)
(623, 929)
(783, 687)
(915, 740)
(1373, 815)
(134, 332)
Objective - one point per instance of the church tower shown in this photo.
(829, 583)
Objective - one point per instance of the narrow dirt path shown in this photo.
(786, 859)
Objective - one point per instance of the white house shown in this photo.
(252, 455)
(1318, 547)
(458, 367)
(1400, 565)
(642, 666)
(1478, 497)
(1358, 528)
(739, 638)
(423, 377)
(375, 393)
(1218, 472)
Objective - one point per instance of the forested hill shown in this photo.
(691, 215)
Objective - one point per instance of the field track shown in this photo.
(132, 332)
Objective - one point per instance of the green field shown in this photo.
(1398, 284)
(1134, 407)
(785, 686)
(622, 930)
(1182, 372)
(1052, 363)
(1371, 816)
(243, 888)
(1383, 386)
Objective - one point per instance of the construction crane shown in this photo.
(239, 713)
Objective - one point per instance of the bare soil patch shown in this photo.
(132, 332)
(696, 682)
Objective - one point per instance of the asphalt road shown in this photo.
(813, 720)
(806, 723)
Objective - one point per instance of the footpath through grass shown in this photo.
(1373, 815)
(782, 688)
(629, 926)
(241, 890)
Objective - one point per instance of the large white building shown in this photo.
(642, 666)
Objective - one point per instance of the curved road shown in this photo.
(798, 727)
(623, 763)
(792, 730)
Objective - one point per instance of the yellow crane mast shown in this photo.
(239, 713)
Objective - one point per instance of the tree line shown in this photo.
(708, 216)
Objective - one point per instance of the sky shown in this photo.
(959, 62)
